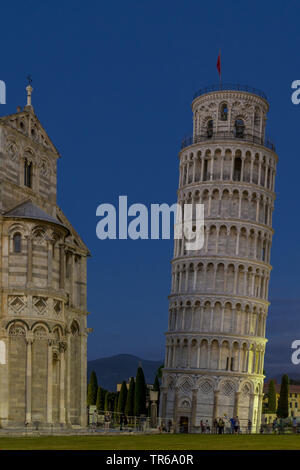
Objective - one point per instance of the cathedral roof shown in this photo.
(28, 210)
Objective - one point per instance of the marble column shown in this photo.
(62, 265)
(29, 341)
(50, 383)
(62, 409)
(216, 404)
(29, 261)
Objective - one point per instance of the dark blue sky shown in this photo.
(113, 82)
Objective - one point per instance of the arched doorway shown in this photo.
(184, 424)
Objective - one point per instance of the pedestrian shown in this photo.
(294, 424)
(121, 421)
(207, 427)
(143, 422)
(274, 425)
(236, 425)
(215, 425)
(202, 426)
(232, 424)
(249, 426)
(94, 420)
(220, 426)
(107, 420)
(261, 429)
(169, 426)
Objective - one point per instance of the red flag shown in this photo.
(219, 64)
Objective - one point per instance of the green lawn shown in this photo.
(153, 442)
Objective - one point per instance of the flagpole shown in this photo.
(220, 70)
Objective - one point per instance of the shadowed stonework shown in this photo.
(43, 330)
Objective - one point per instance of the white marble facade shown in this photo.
(215, 342)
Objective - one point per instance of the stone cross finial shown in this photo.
(29, 90)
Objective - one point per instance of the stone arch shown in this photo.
(16, 323)
(245, 205)
(234, 210)
(210, 277)
(214, 354)
(212, 239)
(203, 354)
(29, 154)
(222, 239)
(247, 166)
(223, 111)
(217, 316)
(215, 198)
(225, 203)
(75, 366)
(17, 360)
(13, 231)
(227, 164)
(194, 353)
(235, 356)
(39, 378)
(255, 170)
(225, 355)
(230, 278)
(40, 324)
(206, 316)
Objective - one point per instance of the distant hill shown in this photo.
(294, 378)
(115, 369)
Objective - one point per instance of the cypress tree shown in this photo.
(283, 402)
(156, 388)
(140, 393)
(122, 397)
(129, 408)
(116, 400)
(272, 397)
(100, 402)
(103, 392)
(92, 389)
(107, 402)
(156, 384)
(159, 371)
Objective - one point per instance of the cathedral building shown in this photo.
(215, 343)
(43, 333)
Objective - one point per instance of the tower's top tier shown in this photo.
(226, 112)
(230, 87)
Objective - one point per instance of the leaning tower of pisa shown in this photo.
(215, 343)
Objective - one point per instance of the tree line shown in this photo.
(131, 401)
(282, 407)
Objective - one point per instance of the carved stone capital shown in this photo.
(29, 337)
(62, 346)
